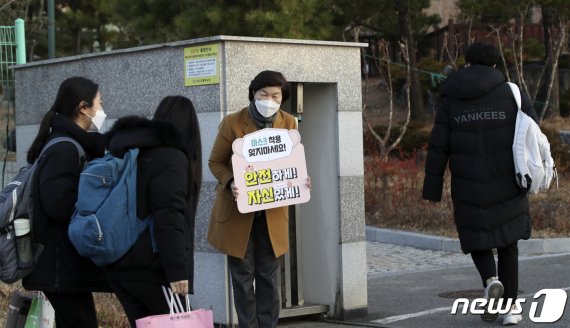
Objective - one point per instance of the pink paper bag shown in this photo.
(194, 319)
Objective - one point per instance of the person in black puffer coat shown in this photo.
(474, 131)
(168, 182)
(66, 278)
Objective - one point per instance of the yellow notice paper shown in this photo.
(201, 65)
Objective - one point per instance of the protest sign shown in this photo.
(270, 170)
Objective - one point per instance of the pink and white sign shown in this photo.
(270, 170)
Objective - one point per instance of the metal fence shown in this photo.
(12, 52)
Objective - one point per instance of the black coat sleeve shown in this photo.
(438, 154)
(58, 179)
(168, 207)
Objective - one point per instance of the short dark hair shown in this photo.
(482, 53)
(269, 79)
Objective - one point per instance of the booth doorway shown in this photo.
(315, 107)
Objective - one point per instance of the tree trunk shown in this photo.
(548, 22)
(78, 41)
(416, 94)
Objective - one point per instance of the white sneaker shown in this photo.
(511, 319)
(494, 290)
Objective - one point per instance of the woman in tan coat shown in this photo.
(252, 241)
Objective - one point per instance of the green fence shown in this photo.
(12, 52)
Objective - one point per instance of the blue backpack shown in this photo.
(105, 224)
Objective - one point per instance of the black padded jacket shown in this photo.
(473, 133)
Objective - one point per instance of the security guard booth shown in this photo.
(325, 271)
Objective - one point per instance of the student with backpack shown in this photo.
(474, 131)
(66, 278)
(168, 182)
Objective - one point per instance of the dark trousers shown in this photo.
(140, 299)
(259, 306)
(73, 310)
(508, 267)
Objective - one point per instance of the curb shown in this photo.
(451, 245)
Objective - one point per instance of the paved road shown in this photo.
(413, 288)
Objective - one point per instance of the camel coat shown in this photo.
(229, 229)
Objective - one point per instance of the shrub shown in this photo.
(399, 78)
(393, 199)
(416, 138)
(564, 103)
(560, 152)
(533, 50)
(428, 64)
(550, 212)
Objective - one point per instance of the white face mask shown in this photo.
(267, 108)
(97, 120)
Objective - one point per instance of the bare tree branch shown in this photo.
(470, 26)
(406, 55)
(515, 34)
(497, 31)
(6, 4)
(385, 53)
(520, 29)
(445, 48)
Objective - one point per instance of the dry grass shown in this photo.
(557, 124)
(110, 313)
(393, 200)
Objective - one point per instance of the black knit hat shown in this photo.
(269, 79)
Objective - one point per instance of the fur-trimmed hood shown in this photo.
(139, 132)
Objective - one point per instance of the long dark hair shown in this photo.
(180, 111)
(71, 93)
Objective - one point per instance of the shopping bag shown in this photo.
(41, 314)
(184, 318)
(195, 319)
(18, 309)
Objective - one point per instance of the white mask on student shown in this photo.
(97, 120)
(266, 108)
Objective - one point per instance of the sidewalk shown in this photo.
(415, 288)
(436, 243)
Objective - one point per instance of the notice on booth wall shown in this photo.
(270, 170)
(201, 65)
